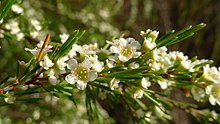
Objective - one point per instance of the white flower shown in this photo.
(125, 49)
(177, 56)
(114, 83)
(80, 73)
(214, 115)
(20, 36)
(36, 24)
(2, 33)
(1, 21)
(152, 36)
(211, 74)
(214, 93)
(85, 50)
(61, 63)
(185, 64)
(64, 37)
(140, 113)
(13, 26)
(96, 64)
(159, 112)
(133, 65)
(162, 51)
(34, 34)
(46, 63)
(36, 50)
(145, 83)
(138, 94)
(166, 62)
(53, 80)
(197, 93)
(155, 66)
(155, 55)
(109, 63)
(148, 44)
(10, 99)
(16, 8)
(164, 83)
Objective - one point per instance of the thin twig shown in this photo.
(43, 47)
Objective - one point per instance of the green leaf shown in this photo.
(100, 86)
(65, 92)
(204, 63)
(6, 79)
(2, 96)
(67, 45)
(5, 7)
(173, 38)
(31, 62)
(130, 72)
(4, 104)
(28, 99)
(112, 69)
(182, 75)
(17, 71)
(26, 77)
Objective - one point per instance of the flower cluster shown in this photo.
(86, 63)
(128, 68)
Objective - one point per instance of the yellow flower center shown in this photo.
(127, 50)
(216, 91)
(81, 73)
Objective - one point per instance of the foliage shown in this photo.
(126, 78)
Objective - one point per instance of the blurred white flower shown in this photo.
(36, 50)
(185, 64)
(164, 83)
(197, 93)
(155, 66)
(36, 24)
(177, 56)
(138, 94)
(211, 74)
(2, 33)
(81, 73)
(109, 63)
(214, 93)
(1, 21)
(10, 99)
(114, 83)
(53, 80)
(46, 63)
(133, 65)
(64, 37)
(145, 83)
(140, 113)
(214, 115)
(16, 8)
(20, 36)
(13, 26)
(34, 34)
(159, 112)
(125, 49)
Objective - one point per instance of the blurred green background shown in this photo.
(103, 20)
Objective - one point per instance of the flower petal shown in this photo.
(72, 64)
(92, 75)
(70, 79)
(81, 85)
